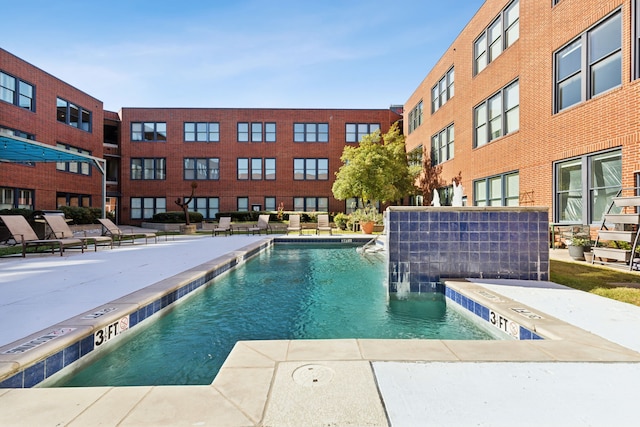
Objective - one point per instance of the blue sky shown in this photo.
(237, 53)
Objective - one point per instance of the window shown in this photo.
(73, 115)
(82, 168)
(352, 204)
(590, 64)
(243, 132)
(270, 204)
(503, 31)
(243, 204)
(201, 132)
(256, 132)
(310, 204)
(73, 199)
(17, 92)
(498, 190)
(311, 132)
(16, 198)
(243, 168)
(260, 169)
(636, 39)
(415, 156)
(207, 206)
(442, 146)
(270, 132)
(270, 169)
(355, 131)
(256, 169)
(259, 132)
(20, 134)
(498, 115)
(442, 91)
(584, 186)
(149, 131)
(147, 207)
(202, 168)
(415, 117)
(148, 169)
(311, 169)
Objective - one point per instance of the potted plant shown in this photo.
(368, 217)
(577, 247)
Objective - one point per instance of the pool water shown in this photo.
(286, 292)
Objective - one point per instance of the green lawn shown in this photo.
(617, 285)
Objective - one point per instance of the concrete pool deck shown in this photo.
(588, 375)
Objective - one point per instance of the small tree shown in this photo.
(375, 170)
(429, 179)
(185, 205)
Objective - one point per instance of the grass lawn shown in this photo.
(617, 285)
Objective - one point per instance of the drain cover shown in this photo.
(313, 375)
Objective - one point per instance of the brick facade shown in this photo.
(111, 138)
(228, 187)
(608, 120)
(544, 137)
(43, 179)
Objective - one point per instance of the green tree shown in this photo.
(375, 170)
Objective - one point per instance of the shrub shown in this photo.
(341, 219)
(176, 217)
(81, 215)
(27, 213)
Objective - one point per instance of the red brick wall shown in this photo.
(609, 120)
(43, 178)
(228, 188)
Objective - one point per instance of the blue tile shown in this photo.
(525, 334)
(71, 353)
(34, 374)
(86, 345)
(16, 381)
(54, 363)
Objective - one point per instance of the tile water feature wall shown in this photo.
(428, 244)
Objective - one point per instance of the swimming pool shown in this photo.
(286, 292)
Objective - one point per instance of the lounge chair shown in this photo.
(60, 230)
(294, 224)
(112, 230)
(224, 226)
(263, 224)
(21, 232)
(323, 224)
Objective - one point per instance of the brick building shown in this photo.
(535, 103)
(241, 159)
(37, 106)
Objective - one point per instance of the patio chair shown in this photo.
(112, 230)
(294, 224)
(21, 232)
(60, 230)
(323, 224)
(263, 224)
(224, 226)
